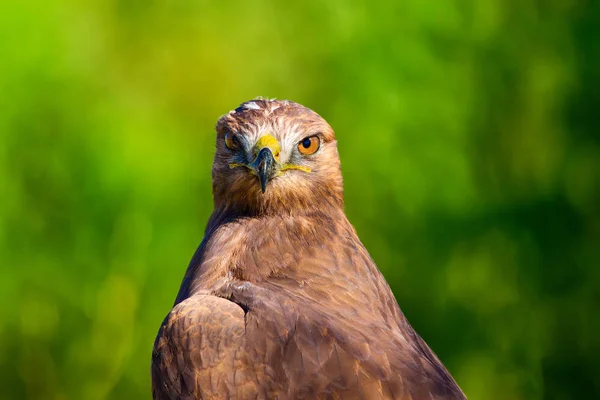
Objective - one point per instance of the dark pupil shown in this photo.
(306, 143)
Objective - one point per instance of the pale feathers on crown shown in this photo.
(263, 103)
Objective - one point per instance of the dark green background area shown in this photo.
(469, 133)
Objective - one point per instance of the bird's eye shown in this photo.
(309, 145)
(232, 141)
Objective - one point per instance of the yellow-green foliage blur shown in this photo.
(469, 135)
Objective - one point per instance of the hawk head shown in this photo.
(275, 156)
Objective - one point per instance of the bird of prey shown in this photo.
(282, 300)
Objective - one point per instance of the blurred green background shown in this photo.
(470, 142)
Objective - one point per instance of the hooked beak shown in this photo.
(265, 167)
(265, 164)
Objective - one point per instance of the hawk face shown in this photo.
(275, 156)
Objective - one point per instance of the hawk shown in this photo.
(282, 300)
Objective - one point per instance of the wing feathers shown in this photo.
(196, 343)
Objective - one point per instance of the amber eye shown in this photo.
(309, 145)
(231, 141)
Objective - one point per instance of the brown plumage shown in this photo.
(281, 299)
